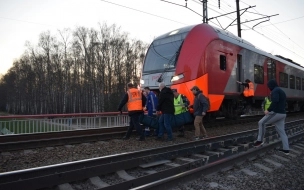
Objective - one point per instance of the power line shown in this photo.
(143, 12)
(210, 21)
(27, 21)
(280, 30)
(285, 36)
(281, 22)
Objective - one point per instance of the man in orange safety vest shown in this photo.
(135, 101)
(248, 94)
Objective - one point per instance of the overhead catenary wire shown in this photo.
(275, 35)
(281, 31)
(143, 12)
(219, 12)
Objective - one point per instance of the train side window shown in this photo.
(271, 70)
(302, 83)
(298, 83)
(223, 62)
(283, 80)
(292, 82)
(258, 74)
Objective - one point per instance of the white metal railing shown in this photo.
(23, 125)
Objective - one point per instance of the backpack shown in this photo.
(208, 101)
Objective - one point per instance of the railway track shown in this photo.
(245, 170)
(37, 140)
(149, 166)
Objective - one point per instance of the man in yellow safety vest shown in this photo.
(181, 104)
(266, 103)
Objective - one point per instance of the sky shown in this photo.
(25, 20)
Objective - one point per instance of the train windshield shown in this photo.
(163, 53)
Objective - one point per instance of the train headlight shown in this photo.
(175, 78)
(142, 81)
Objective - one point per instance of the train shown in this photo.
(214, 59)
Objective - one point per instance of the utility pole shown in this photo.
(238, 18)
(205, 13)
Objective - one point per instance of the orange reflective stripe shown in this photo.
(251, 89)
(246, 92)
(134, 99)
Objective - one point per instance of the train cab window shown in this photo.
(258, 74)
(283, 80)
(292, 82)
(302, 83)
(298, 83)
(223, 62)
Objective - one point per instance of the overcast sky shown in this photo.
(24, 20)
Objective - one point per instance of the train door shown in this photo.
(239, 71)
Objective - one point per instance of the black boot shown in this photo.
(181, 132)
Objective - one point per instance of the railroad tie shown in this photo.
(65, 186)
(263, 167)
(295, 151)
(124, 175)
(299, 147)
(273, 162)
(185, 159)
(98, 182)
(151, 164)
(280, 158)
(249, 172)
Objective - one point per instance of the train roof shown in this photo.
(230, 37)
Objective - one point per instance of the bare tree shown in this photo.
(86, 70)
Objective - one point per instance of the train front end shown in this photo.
(177, 58)
(162, 57)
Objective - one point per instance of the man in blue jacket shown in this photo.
(275, 115)
(151, 105)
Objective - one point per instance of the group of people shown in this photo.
(168, 104)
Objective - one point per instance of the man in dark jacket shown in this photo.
(166, 106)
(136, 101)
(275, 115)
(200, 107)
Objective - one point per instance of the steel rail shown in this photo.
(61, 173)
(19, 142)
(59, 134)
(183, 177)
(62, 115)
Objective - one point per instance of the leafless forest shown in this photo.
(73, 71)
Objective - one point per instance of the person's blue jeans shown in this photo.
(147, 129)
(165, 123)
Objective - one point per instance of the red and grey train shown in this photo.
(213, 60)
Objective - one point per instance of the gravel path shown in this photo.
(23, 159)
